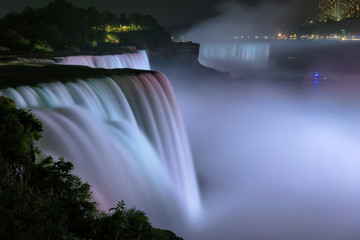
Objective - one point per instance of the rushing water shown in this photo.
(226, 56)
(125, 136)
(137, 60)
(276, 156)
(243, 52)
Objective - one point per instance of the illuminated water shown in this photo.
(242, 53)
(125, 136)
(276, 155)
(138, 60)
(238, 57)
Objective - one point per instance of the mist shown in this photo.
(274, 161)
(242, 19)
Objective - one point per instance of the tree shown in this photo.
(26, 211)
(45, 200)
(37, 201)
(122, 224)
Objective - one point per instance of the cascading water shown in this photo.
(274, 162)
(230, 56)
(125, 136)
(243, 52)
(137, 60)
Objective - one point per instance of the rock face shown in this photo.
(188, 51)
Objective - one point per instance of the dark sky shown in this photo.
(167, 12)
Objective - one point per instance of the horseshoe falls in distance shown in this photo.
(230, 56)
(125, 136)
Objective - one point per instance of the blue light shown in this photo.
(316, 82)
(316, 75)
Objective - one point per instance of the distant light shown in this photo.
(316, 82)
(316, 75)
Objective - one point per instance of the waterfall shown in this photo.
(125, 136)
(137, 60)
(244, 52)
(234, 57)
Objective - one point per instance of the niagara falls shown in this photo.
(195, 120)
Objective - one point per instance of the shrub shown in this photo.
(42, 46)
(73, 50)
(4, 49)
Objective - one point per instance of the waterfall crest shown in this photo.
(137, 60)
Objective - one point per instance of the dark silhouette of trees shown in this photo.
(44, 200)
(62, 25)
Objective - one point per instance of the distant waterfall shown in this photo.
(231, 57)
(137, 60)
(236, 51)
(125, 136)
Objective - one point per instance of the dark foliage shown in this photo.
(44, 200)
(37, 200)
(122, 224)
(61, 25)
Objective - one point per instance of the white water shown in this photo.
(236, 51)
(241, 54)
(138, 60)
(125, 136)
(274, 163)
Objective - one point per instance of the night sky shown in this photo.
(168, 12)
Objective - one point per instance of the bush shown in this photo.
(42, 46)
(122, 224)
(162, 234)
(4, 49)
(73, 50)
(45, 200)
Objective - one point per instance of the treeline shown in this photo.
(60, 26)
(345, 27)
(45, 200)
